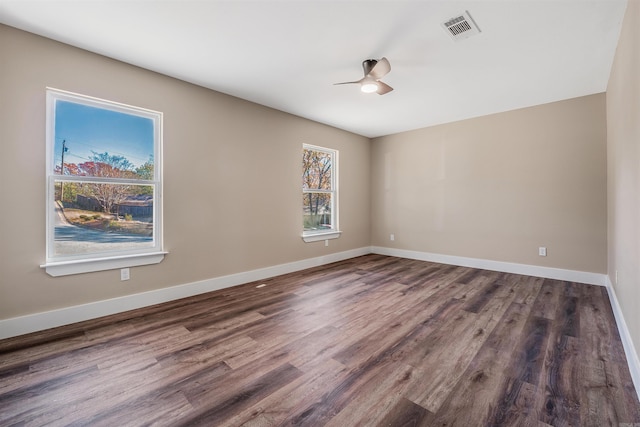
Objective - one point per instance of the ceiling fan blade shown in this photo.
(381, 69)
(348, 83)
(383, 88)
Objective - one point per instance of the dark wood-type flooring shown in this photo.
(371, 341)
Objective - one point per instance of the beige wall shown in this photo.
(498, 187)
(232, 178)
(623, 154)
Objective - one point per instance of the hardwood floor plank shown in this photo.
(331, 402)
(197, 357)
(22, 405)
(151, 385)
(519, 405)
(561, 405)
(527, 289)
(482, 298)
(394, 331)
(359, 377)
(546, 303)
(506, 335)
(482, 384)
(313, 349)
(213, 408)
(159, 408)
(561, 367)
(121, 352)
(378, 397)
(604, 372)
(405, 413)
(527, 364)
(292, 398)
(446, 354)
(477, 391)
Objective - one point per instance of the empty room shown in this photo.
(340, 213)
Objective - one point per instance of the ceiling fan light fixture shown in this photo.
(369, 86)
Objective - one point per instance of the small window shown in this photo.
(319, 193)
(104, 185)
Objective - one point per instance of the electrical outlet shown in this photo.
(542, 251)
(124, 274)
(616, 279)
(326, 242)
(392, 237)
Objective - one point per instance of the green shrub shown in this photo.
(128, 217)
(96, 216)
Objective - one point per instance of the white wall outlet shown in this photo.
(326, 242)
(392, 237)
(124, 274)
(542, 251)
(616, 278)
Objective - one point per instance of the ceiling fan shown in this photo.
(374, 70)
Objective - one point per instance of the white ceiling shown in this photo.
(288, 54)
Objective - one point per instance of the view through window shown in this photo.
(104, 178)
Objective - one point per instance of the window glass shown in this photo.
(104, 178)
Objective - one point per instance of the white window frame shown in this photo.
(90, 262)
(334, 232)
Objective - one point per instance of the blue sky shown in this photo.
(88, 129)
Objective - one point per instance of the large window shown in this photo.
(104, 184)
(319, 193)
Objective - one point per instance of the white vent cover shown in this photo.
(461, 26)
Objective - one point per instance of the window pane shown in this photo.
(316, 170)
(100, 217)
(92, 141)
(316, 211)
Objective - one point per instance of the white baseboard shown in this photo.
(505, 267)
(65, 316)
(625, 336)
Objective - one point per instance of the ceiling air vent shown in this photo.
(461, 26)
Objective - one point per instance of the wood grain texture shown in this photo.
(370, 341)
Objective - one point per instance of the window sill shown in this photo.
(316, 237)
(65, 268)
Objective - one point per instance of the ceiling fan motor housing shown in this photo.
(368, 65)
